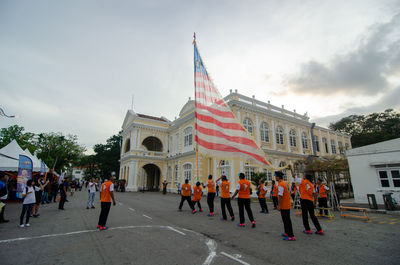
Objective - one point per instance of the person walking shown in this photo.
(225, 197)
(164, 188)
(63, 193)
(186, 189)
(197, 192)
(106, 195)
(322, 192)
(284, 205)
(307, 202)
(262, 192)
(3, 196)
(243, 189)
(28, 194)
(274, 194)
(210, 195)
(92, 193)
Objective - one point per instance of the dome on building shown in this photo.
(187, 108)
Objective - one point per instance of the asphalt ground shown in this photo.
(147, 228)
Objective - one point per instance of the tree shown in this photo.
(257, 176)
(24, 139)
(107, 155)
(369, 129)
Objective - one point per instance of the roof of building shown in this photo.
(386, 146)
(152, 117)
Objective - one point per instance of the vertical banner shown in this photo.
(25, 167)
(42, 168)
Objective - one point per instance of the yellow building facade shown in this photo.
(155, 149)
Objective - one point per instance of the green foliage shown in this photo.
(24, 139)
(370, 129)
(257, 177)
(107, 156)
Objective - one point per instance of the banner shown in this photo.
(42, 168)
(25, 167)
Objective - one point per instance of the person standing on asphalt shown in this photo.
(274, 194)
(106, 195)
(164, 187)
(262, 191)
(284, 205)
(178, 186)
(54, 189)
(197, 192)
(39, 186)
(225, 197)
(28, 194)
(321, 192)
(210, 195)
(3, 195)
(186, 189)
(243, 189)
(63, 193)
(92, 193)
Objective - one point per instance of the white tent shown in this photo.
(9, 157)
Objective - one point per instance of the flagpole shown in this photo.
(195, 100)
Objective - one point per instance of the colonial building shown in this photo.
(156, 149)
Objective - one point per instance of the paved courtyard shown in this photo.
(147, 228)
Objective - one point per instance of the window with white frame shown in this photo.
(389, 177)
(325, 143)
(188, 136)
(269, 174)
(187, 172)
(249, 171)
(304, 140)
(316, 143)
(333, 147)
(292, 138)
(279, 135)
(224, 168)
(248, 125)
(176, 174)
(264, 132)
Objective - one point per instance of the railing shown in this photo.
(146, 153)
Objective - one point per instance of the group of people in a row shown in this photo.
(281, 194)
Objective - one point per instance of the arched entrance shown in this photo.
(153, 144)
(150, 179)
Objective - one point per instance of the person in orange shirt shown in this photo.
(284, 205)
(243, 189)
(197, 192)
(186, 189)
(262, 191)
(225, 197)
(307, 202)
(106, 195)
(211, 194)
(322, 191)
(274, 194)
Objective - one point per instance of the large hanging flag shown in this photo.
(218, 132)
(25, 167)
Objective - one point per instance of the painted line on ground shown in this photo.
(147, 216)
(131, 209)
(120, 203)
(176, 230)
(234, 258)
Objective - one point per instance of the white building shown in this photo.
(375, 169)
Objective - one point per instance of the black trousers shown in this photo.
(26, 209)
(2, 211)
(275, 201)
(245, 203)
(226, 202)
(210, 201)
(323, 202)
(287, 223)
(198, 204)
(263, 204)
(188, 199)
(307, 208)
(53, 196)
(105, 209)
(62, 200)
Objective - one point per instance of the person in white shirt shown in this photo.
(28, 194)
(92, 193)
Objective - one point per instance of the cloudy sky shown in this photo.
(73, 66)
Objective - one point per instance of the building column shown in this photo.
(301, 140)
(257, 132)
(287, 138)
(273, 134)
(132, 177)
(321, 144)
(329, 143)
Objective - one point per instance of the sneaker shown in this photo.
(308, 232)
(253, 224)
(98, 227)
(233, 218)
(262, 211)
(180, 210)
(284, 235)
(87, 207)
(103, 228)
(320, 232)
(210, 214)
(201, 210)
(28, 225)
(289, 238)
(194, 211)
(93, 207)
(21, 225)
(222, 219)
(240, 225)
(266, 212)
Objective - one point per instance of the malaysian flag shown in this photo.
(218, 132)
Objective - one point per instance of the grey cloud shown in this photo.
(363, 71)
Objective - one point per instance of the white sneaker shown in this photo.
(21, 225)
(27, 225)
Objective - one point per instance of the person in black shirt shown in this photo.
(63, 193)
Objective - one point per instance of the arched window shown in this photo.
(333, 147)
(292, 137)
(325, 143)
(316, 143)
(264, 132)
(187, 171)
(176, 174)
(248, 125)
(188, 136)
(304, 140)
(224, 168)
(279, 135)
